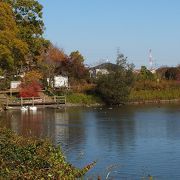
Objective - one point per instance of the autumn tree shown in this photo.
(31, 84)
(55, 62)
(51, 61)
(28, 17)
(13, 49)
(77, 62)
(74, 67)
(172, 73)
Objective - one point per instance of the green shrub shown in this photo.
(28, 158)
(114, 88)
(80, 98)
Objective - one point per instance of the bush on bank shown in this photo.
(28, 158)
(81, 98)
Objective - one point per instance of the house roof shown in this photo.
(108, 66)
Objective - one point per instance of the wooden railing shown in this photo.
(33, 101)
(60, 99)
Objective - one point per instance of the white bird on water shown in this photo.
(33, 108)
(24, 108)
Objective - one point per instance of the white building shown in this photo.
(102, 71)
(96, 72)
(15, 84)
(59, 81)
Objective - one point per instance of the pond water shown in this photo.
(129, 142)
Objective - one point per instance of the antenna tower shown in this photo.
(150, 59)
(118, 51)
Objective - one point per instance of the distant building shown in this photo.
(96, 72)
(15, 84)
(153, 71)
(102, 69)
(59, 81)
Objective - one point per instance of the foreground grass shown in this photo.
(163, 94)
(28, 158)
(81, 98)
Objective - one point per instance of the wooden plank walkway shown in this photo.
(33, 101)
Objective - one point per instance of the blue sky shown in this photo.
(98, 27)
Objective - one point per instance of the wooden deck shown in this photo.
(9, 103)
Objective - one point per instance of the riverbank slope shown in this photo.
(30, 158)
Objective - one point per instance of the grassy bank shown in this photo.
(163, 94)
(81, 98)
(28, 158)
(135, 96)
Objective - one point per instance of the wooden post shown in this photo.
(21, 101)
(54, 98)
(44, 101)
(7, 103)
(32, 101)
(65, 100)
(11, 92)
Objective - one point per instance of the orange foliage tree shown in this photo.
(74, 67)
(55, 62)
(50, 61)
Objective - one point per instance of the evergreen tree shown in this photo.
(115, 87)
